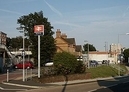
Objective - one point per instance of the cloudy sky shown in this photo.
(95, 21)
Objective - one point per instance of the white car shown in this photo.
(50, 63)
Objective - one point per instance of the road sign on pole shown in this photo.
(39, 30)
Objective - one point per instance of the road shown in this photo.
(112, 85)
(13, 75)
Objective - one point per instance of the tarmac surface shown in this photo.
(33, 84)
(29, 83)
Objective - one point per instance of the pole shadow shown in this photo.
(66, 81)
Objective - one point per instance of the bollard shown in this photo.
(31, 73)
(7, 75)
(26, 74)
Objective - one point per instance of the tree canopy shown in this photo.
(91, 47)
(126, 55)
(47, 44)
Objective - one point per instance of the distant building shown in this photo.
(100, 56)
(3, 37)
(116, 48)
(63, 43)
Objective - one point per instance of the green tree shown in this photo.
(47, 44)
(8, 42)
(91, 47)
(126, 55)
(17, 42)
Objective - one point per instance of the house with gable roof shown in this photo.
(63, 43)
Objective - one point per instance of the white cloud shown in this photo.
(53, 9)
(126, 11)
(9, 11)
(68, 24)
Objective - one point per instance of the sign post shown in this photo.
(39, 29)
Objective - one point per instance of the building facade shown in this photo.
(63, 43)
(3, 37)
(100, 56)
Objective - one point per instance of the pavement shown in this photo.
(32, 84)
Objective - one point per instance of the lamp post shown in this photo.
(119, 50)
(28, 51)
(23, 52)
(88, 54)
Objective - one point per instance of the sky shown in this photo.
(97, 22)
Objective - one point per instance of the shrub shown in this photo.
(80, 67)
(66, 63)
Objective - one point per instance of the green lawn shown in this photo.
(105, 71)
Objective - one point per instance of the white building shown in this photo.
(116, 48)
(100, 56)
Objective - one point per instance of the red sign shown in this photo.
(38, 29)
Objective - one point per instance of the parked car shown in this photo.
(93, 63)
(79, 58)
(105, 62)
(49, 63)
(27, 65)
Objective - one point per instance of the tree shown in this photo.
(47, 44)
(16, 43)
(126, 55)
(8, 41)
(91, 47)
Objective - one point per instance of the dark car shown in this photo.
(105, 62)
(93, 63)
(27, 65)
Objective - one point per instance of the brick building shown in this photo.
(63, 43)
(3, 37)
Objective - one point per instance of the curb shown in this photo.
(79, 81)
(64, 83)
(20, 85)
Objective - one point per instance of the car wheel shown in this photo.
(28, 67)
(16, 67)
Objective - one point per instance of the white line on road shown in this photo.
(1, 88)
(11, 89)
(14, 89)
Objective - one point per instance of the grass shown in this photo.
(105, 71)
(96, 72)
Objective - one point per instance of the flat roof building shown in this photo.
(3, 37)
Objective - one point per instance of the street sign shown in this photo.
(39, 29)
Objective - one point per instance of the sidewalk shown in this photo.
(32, 84)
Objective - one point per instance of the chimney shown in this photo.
(58, 33)
(64, 36)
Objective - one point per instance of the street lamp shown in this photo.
(119, 51)
(28, 51)
(23, 52)
(88, 54)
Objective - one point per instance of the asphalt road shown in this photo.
(13, 75)
(112, 85)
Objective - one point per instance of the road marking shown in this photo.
(1, 88)
(92, 90)
(13, 89)
(21, 85)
